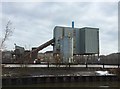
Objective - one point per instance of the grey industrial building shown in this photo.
(68, 43)
(75, 41)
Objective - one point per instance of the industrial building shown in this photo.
(68, 44)
(71, 41)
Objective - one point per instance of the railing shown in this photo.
(48, 65)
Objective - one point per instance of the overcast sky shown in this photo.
(34, 22)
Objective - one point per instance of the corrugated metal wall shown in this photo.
(66, 49)
(76, 42)
(59, 33)
(89, 40)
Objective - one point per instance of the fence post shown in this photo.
(48, 64)
(69, 65)
(86, 65)
(103, 65)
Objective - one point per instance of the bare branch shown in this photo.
(8, 31)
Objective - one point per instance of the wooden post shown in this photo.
(86, 65)
(69, 65)
(103, 65)
(48, 64)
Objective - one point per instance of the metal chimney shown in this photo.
(72, 24)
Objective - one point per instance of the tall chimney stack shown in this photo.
(72, 24)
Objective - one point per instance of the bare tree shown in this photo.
(8, 31)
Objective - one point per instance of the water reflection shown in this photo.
(101, 85)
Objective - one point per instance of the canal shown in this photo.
(101, 85)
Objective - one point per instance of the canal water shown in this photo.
(101, 85)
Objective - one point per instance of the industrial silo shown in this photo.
(63, 43)
(66, 49)
(59, 33)
(89, 40)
